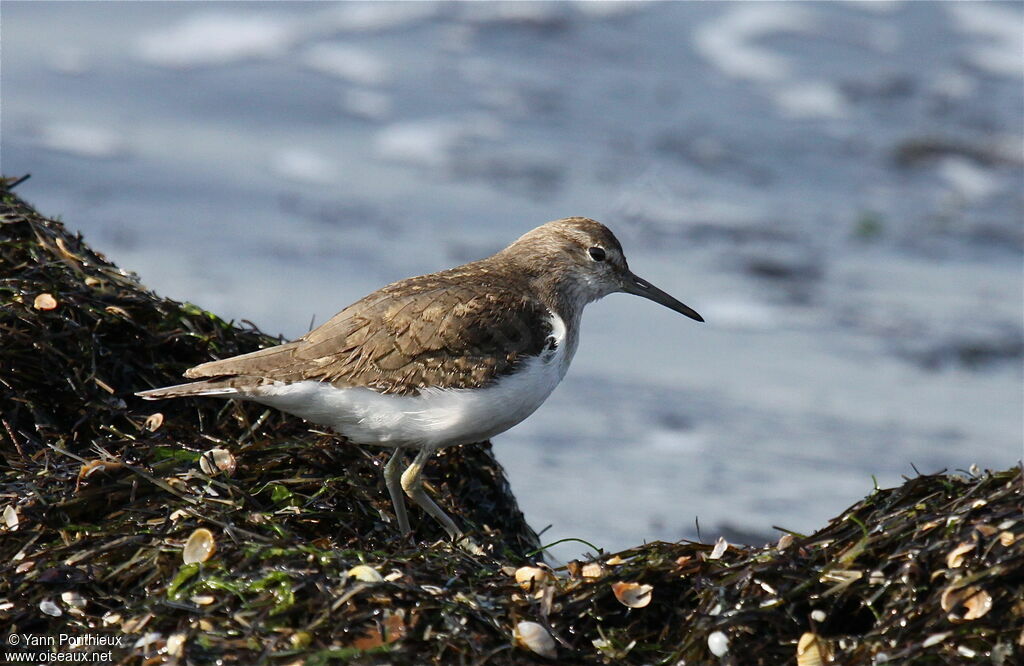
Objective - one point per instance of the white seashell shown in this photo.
(535, 638)
(11, 517)
(73, 599)
(50, 608)
(365, 574)
(813, 650)
(176, 644)
(718, 643)
(531, 578)
(154, 421)
(956, 556)
(218, 460)
(148, 639)
(199, 547)
(976, 602)
(633, 595)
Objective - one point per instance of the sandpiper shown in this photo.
(448, 358)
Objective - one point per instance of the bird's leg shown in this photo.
(412, 483)
(393, 479)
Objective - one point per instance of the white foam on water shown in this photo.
(1001, 35)
(672, 214)
(429, 143)
(967, 179)
(601, 9)
(729, 41)
(377, 16)
(809, 99)
(366, 103)
(536, 13)
(660, 440)
(875, 6)
(215, 38)
(82, 140)
(305, 166)
(740, 314)
(347, 62)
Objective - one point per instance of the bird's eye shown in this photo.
(597, 253)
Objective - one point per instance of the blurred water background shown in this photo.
(836, 187)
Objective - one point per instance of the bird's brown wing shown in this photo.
(434, 330)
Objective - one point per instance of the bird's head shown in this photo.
(582, 260)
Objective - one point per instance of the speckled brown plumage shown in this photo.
(460, 328)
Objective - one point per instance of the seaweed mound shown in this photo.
(200, 531)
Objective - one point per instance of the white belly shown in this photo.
(436, 417)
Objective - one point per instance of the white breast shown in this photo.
(436, 417)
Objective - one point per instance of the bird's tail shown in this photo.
(209, 387)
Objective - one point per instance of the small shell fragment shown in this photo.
(218, 460)
(73, 599)
(176, 644)
(818, 615)
(148, 639)
(44, 301)
(592, 570)
(614, 560)
(785, 541)
(633, 595)
(11, 517)
(718, 643)
(203, 599)
(956, 556)
(812, 650)
(974, 602)
(154, 421)
(720, 547)
(1007, 539)
(90, 467)
(986, 530)
(50, 608)
(934, 639)
(365, 573)
(977, 605)
(199, 547)
(531, 578)
(535, 638)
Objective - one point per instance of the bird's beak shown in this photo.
(635, 285)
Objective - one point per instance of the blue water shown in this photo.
(836, 187)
